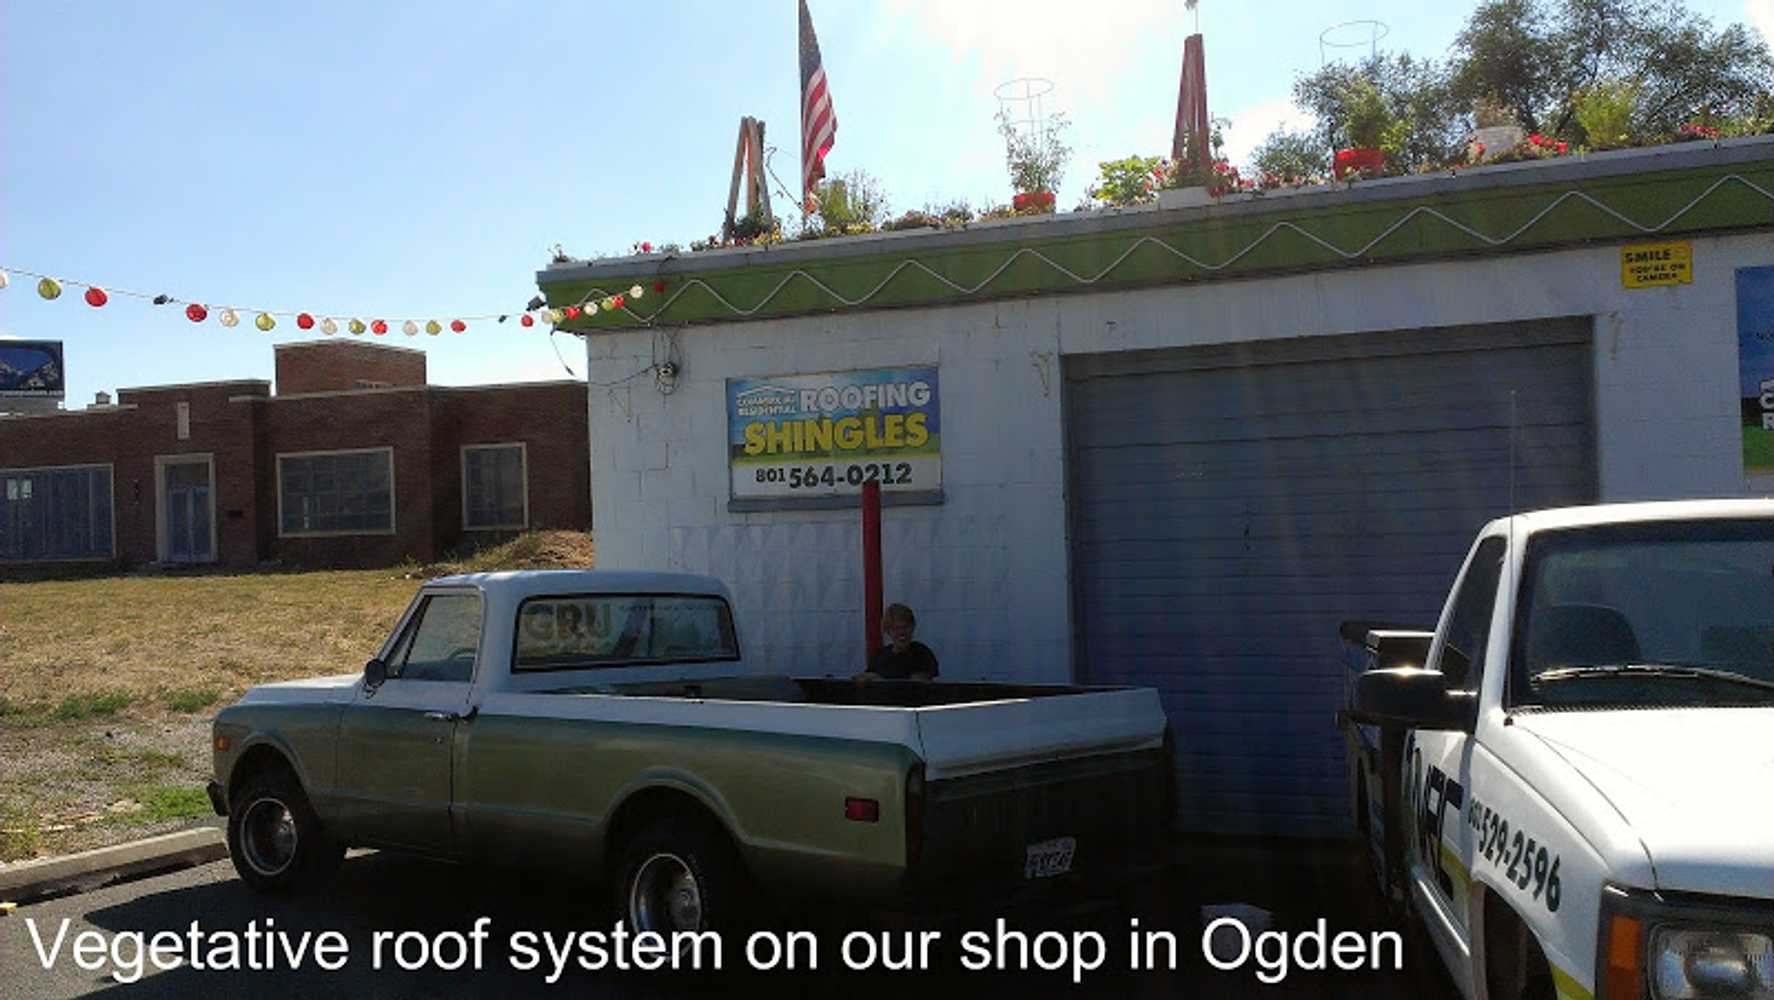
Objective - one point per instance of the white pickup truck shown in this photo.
(1571, 781)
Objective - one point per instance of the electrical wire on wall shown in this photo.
(557, 354)
(667, 363)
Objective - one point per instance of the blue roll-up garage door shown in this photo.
(1232, 505)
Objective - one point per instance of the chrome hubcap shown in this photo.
(664, 896)
(268, 837)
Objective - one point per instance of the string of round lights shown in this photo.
(535, 311)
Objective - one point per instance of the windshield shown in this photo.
(1682, 605)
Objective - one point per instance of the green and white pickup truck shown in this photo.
(608, 724)
(1569, 781)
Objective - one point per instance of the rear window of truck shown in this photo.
(576, 632)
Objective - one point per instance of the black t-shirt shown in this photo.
(917, 659)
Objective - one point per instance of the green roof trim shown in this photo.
(1388, 223)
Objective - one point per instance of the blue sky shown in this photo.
(407, 159)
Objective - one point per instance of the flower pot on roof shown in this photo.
(1496, 129)
(1366, 124)
(1361, 161)
(1036, 155)
(1489, 143)
(1185, 184)
(1183, 197)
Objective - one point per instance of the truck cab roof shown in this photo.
(519, 584)
(1555, 518)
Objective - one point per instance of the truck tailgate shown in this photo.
(1085, 775)
(1105, 814)
(976, 737)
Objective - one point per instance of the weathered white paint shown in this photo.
(986, 571)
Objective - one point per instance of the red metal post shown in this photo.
(871, 569)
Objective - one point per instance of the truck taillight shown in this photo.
(862, 810)
(914, 815)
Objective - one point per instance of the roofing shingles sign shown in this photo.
(807, 436)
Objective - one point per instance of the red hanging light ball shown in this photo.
(572, 312)
(379, 328)
(658, 288)
(458, 326)
(95, 297)
(196, 313)
(527, 320)
(619, 302)
(305, 321)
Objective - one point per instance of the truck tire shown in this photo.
(274, 837)
(679, 873)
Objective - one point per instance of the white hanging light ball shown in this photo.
(410, 328)
(4, 280)
(229, 318)
(328, 327)
(636, 292)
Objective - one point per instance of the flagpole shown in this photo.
(800, 9)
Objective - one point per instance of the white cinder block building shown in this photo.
(1177, 447)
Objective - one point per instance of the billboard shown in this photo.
(1755, 365)
(31, 369)
(805, 436)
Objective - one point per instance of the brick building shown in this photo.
(354, 460)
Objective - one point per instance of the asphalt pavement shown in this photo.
(441, 903)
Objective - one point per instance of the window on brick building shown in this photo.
(55, 514)
(336, 493)
(495, 487)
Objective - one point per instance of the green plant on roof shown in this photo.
(852, 203)
(1604, 112)
(1036, 156)
(1130, 181)
(1368, 120)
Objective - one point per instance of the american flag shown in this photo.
(819, 122)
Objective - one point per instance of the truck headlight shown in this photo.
(1669, 946)
(1702, 963)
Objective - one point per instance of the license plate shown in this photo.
(1050, 857)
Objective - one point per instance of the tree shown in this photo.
(1538, 56)
(1427, 129)
(1289, 157)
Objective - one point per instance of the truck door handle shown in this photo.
(453, 716)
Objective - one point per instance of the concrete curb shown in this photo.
(91, 869)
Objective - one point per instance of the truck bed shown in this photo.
(958, 728)
(1011, 766)
(830, 691)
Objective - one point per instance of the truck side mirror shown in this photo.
(374, 673)
(1413, 698)
(1399, 647)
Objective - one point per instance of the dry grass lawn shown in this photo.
(107, 685)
